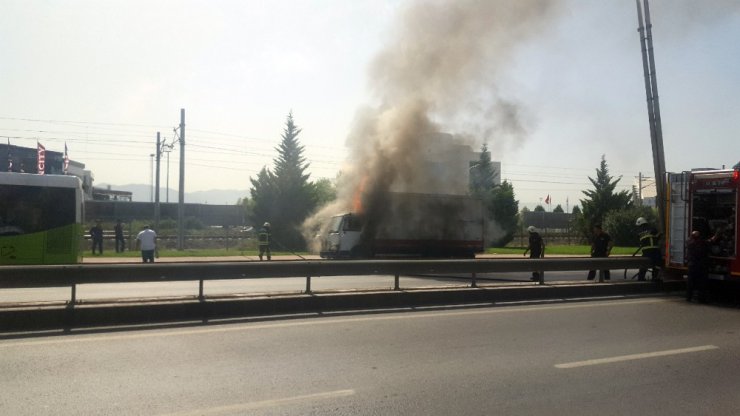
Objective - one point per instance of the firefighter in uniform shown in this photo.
(601, 246)
(263, 239)
(649, 245)
(536, 249)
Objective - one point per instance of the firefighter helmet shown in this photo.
(266, 225)
(531, 229)
(641, 221)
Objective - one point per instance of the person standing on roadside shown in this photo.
(147, 240)
(120, 243)
(536, 249)
(601, 246)
(96, 236)
(697, 255)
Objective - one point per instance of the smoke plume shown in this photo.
(442, 59)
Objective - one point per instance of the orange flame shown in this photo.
(357, 199)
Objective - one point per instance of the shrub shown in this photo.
(621, 224)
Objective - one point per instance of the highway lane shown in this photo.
(261, 286)
(657, 356)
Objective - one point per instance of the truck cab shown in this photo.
(343, 236)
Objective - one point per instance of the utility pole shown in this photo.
(151, 177)
(181, 196)
(169, 149)
(639, 189)
(156, 188)
(651, 90)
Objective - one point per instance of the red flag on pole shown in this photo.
(40, 158)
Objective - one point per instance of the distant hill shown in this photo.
(143, 193)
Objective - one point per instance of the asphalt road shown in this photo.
(650, 356)
(260, 286)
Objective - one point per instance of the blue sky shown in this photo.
(105, 76)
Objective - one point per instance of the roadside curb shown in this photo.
(44, 316)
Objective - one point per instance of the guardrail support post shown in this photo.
(542, 278)
(397, 283)
(601, 276)
(473, 283)
(200, 290)
(74, 294)
(308, 284)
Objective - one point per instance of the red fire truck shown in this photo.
(707, 201)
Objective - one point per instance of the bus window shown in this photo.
(34, 209)
(39, 219)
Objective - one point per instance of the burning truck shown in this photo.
(411, 176)
(410, 224)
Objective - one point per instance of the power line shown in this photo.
(96, 133)
(255, 139)
(81, 122)
(261, 149)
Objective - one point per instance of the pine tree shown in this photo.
(602, 199)
(284, 198)
(482, 173)
(290, 165)
(264, 197)
(504, 209)
(499, 201)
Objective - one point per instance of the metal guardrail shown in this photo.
(72, 275)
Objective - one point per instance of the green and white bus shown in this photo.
(40, 219)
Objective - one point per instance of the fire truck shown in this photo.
(706, 201)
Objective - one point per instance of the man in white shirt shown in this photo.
(147, 238)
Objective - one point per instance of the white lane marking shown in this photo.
(635, 356)
(232, 408)
(69, 339)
